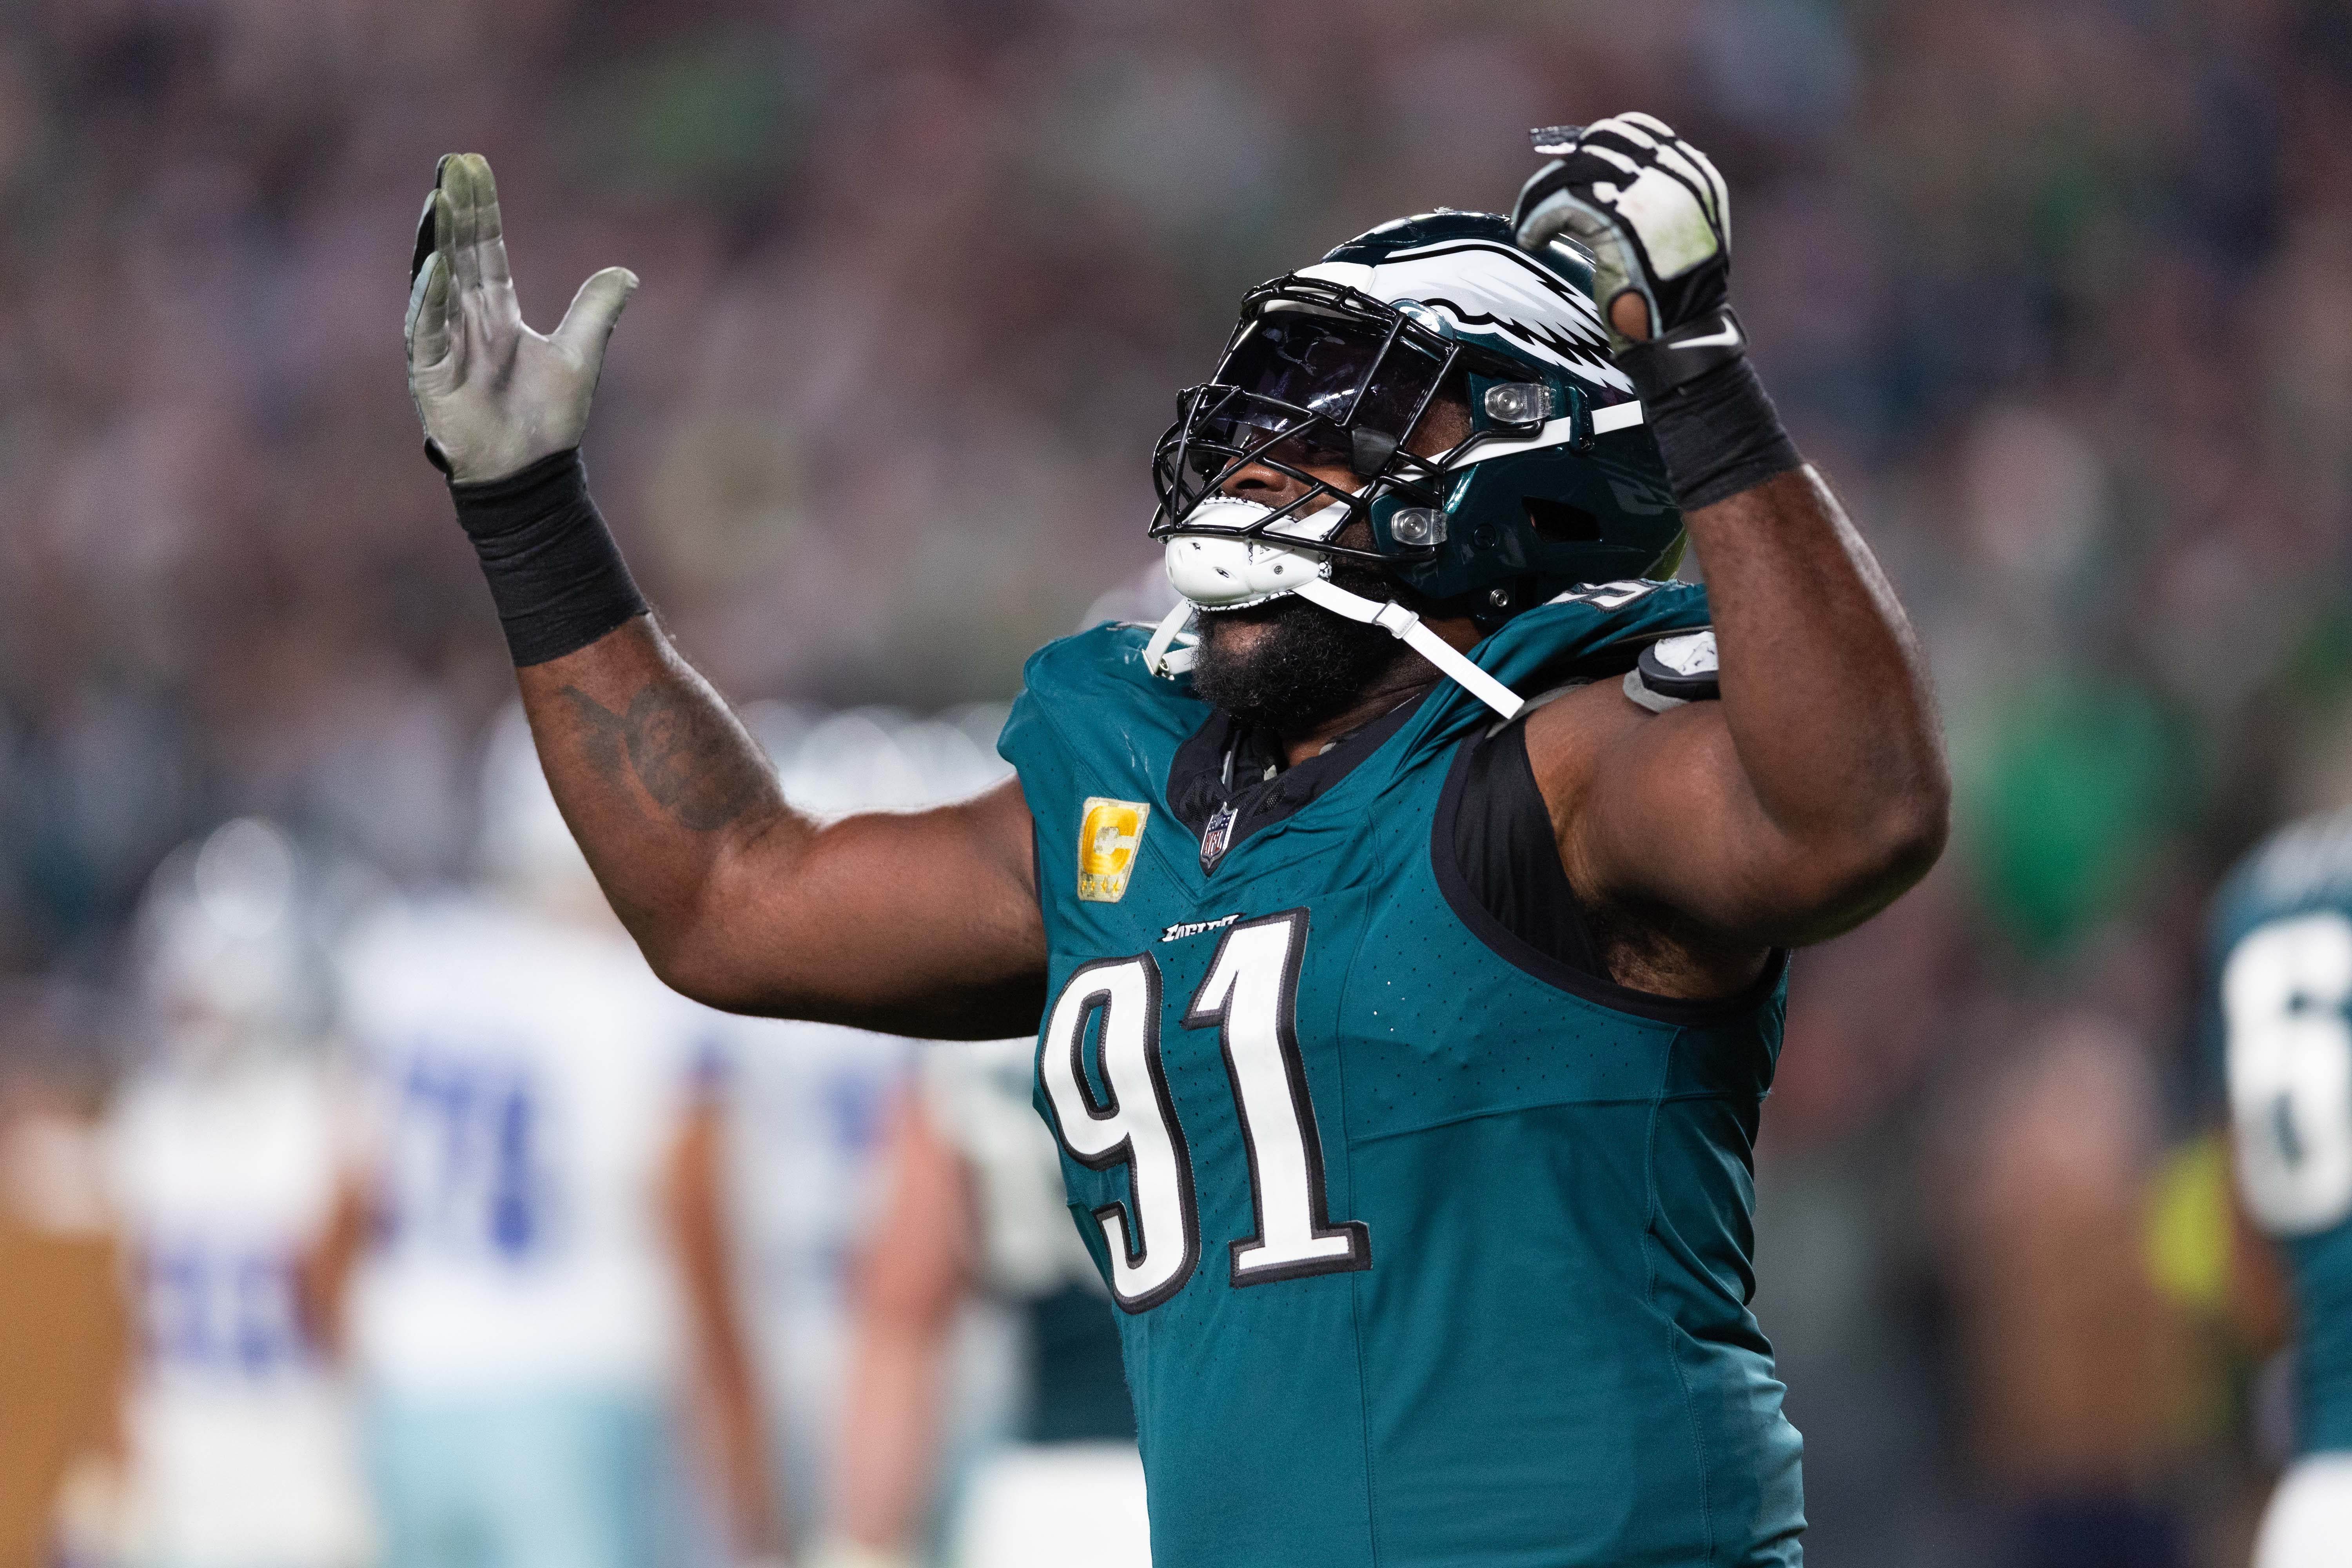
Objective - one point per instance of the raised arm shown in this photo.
(923, 923)
(1815, 791)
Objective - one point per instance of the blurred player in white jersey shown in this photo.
(545, 1286)
(976, 1207)
(805, 1119)
(813, 1098)
(222, 1156)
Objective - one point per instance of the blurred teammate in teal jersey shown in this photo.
(1407, 913)
(2283, 976)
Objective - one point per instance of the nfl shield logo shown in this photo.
(1216, 837)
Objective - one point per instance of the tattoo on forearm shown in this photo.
(601, 737)
(689, 760)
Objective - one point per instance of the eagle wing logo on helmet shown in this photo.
(1492, 287)
(1548, 476)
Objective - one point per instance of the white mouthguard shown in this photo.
(1233, 574)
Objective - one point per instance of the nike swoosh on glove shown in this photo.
(1651, 208)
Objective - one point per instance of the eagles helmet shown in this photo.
(1555, 483)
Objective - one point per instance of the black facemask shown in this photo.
(1308, 666)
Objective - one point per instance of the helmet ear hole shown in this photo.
(1557, 522)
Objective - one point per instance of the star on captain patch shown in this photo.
(1108, 835)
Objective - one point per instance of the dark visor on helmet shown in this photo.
(1319, 378)
(1316, 376)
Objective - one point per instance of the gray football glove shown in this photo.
(1652, 211)
(495, 396)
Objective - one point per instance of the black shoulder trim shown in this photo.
(1507, 946)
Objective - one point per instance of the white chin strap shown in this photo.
(1407, 628)
(1213, 574)
(1173, 649)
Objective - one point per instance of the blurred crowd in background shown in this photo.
(2055, 293)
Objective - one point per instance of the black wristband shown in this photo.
(554, 573)
(1662, 365)
(1720, 434)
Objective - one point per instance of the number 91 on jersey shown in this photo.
(1113, 1065)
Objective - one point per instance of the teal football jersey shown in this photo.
(2282, 999)
(1428, 1250)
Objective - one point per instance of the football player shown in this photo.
(540, 1280)
(223, 1164)
(810, 1102)
(975, 1208)
(1409, 935)
(2283, 966)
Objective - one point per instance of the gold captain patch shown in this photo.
(1108, 836)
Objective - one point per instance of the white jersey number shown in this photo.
(2283, 994)
(1153, 1243)
(1251, 998)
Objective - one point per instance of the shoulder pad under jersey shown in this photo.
(1674, 670)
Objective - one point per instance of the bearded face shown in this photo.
(1288, 666)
